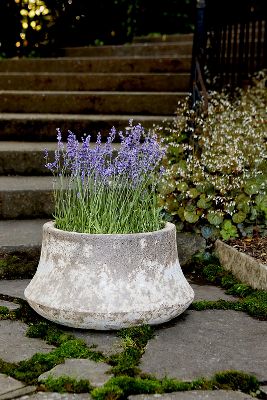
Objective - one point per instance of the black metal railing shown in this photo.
(230, 43)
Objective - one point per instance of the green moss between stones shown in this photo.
(134, 341)
(65, 384)
(251, 301)
(123, 386)
(68, 347)
(17, 266)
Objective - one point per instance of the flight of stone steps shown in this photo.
(85, 90)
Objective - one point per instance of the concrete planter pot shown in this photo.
(110, 281)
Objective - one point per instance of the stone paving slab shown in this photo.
(14, 287)
(199, 344)
(209, 292)
(11, 388)
(56, 396)
(7, 384)
(17, 393)
(15, 346)
(195, 395)
(9, 305)
(94, 372)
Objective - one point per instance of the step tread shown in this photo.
(78, 117)
(87, 93)
(25, 183)
(16, 146)
(96, 74)
(110, 58)
(21, 233)
(133, 45)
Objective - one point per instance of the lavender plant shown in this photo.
(97, 192)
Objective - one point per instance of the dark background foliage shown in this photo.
(83, 22)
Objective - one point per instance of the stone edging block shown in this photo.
(245, 268)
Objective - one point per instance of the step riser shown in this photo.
(26, 204)
(23, 163)
(119, 65)
(183, 48)
(88, 82)
(45, 129)
(96, 103)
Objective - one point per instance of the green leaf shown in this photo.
(193, 193)
(203, 203)
(239, 217)
(191, 217)
(228, 230)
(215, 218)
(182, 186)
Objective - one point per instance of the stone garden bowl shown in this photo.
(109, 281)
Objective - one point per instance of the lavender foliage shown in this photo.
(91, 174)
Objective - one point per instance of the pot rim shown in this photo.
(169, 226)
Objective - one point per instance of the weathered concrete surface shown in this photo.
(10, 388)
(120, 280)
(245, 268)
(22, 197)
(8, 384)
(43, 126)
(9, 305)
(14, 287)
(187, 245)
(154, 64)
(92, 102)
(82, 81)
(14, 394)
(15, 346)
(203, 343)
(195, 395)
(108, 342)
(56, 396)
(94, 372)
(147, 49)
(18, 235)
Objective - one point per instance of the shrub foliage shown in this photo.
(216, 169)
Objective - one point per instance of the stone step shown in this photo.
(34, 127)
(177, 37)
(154, 64)
(98, 81)
(24, 158)
(27, 158)
(143, 49)
(26, 197)
(146, 103)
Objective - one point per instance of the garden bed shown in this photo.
(246, 268)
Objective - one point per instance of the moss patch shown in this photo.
(64, 384)
(18, 266)
(123, 386)
(134, 341)
(68, 347)
(251, 301)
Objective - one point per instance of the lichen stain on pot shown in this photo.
(109, 281)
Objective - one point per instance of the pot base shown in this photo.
(109, 282)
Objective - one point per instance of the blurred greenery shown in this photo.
(29, 26)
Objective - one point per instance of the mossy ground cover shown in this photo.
(127, 378)
(253, 301)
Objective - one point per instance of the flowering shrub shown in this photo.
(97, 192)
(216, 170)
